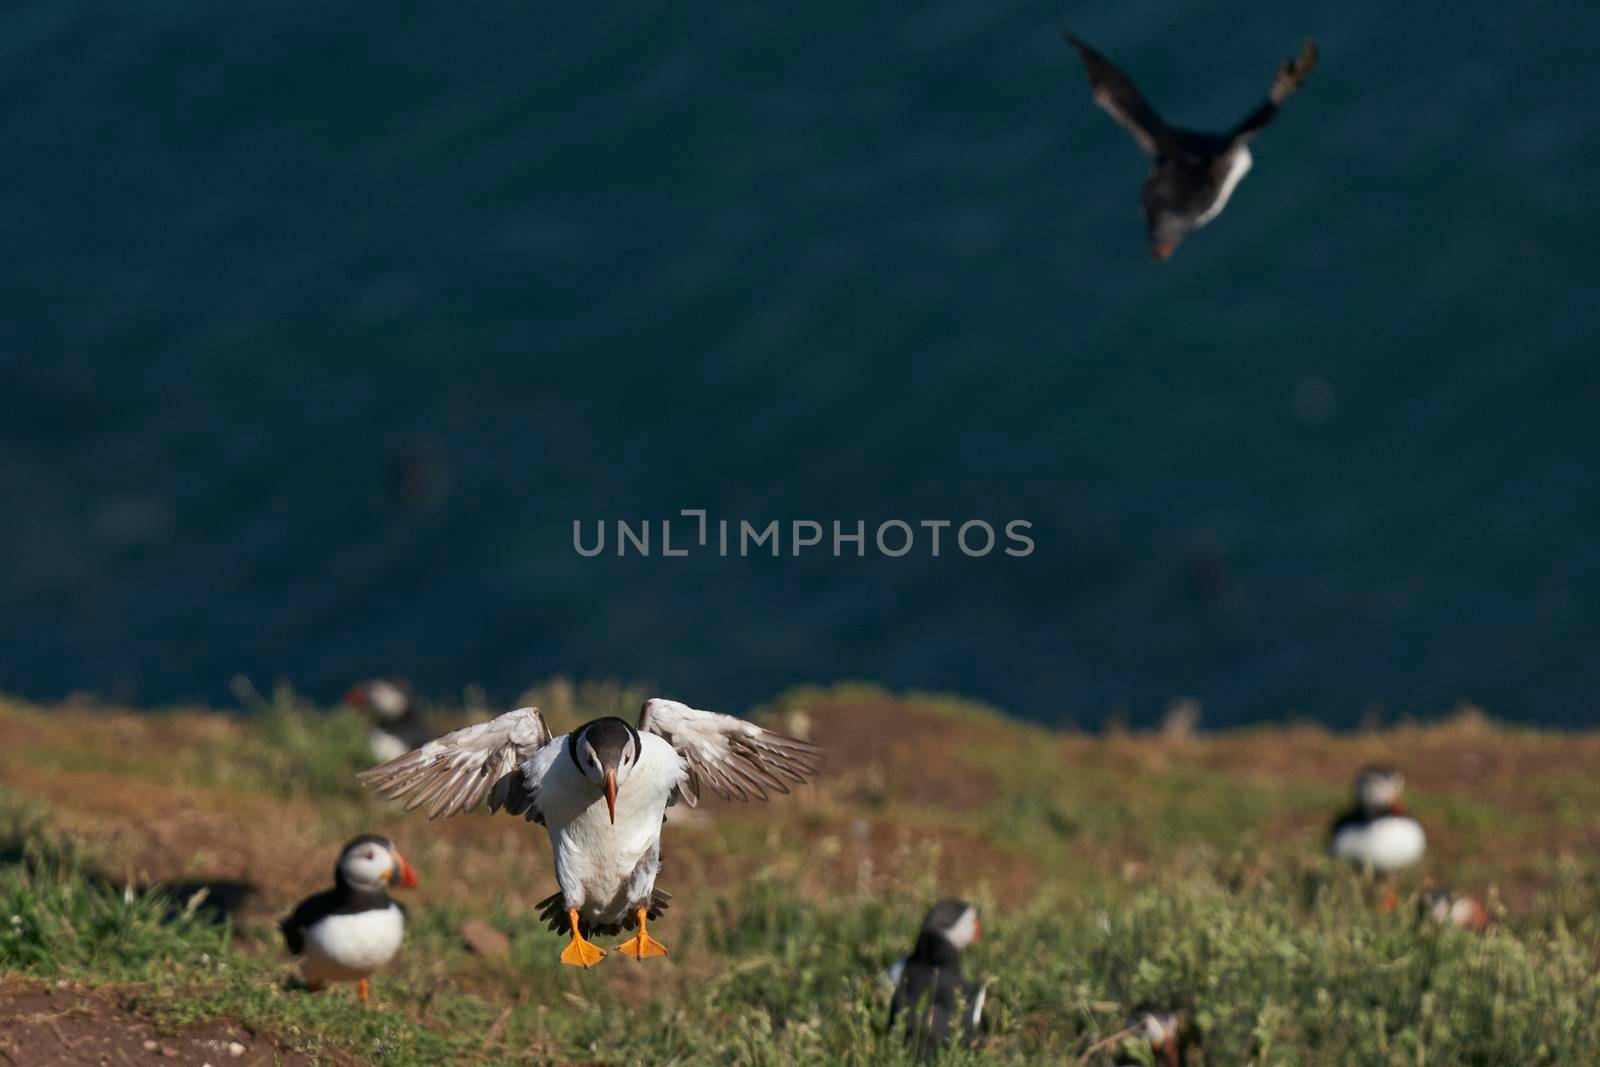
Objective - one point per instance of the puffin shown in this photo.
(1192, 174)
(940, 1005)
(346, 933)
(1444, 908)
(1159, 1029)
(396, 725)
(601, 792)
(1377, 835)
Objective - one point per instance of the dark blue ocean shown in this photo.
(321, 324)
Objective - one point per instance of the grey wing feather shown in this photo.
(1118, 97)
(518, 793)
(457, 772)
(735, 759)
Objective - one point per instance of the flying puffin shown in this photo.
(348, 932)
(1377, 835)
(601, 792)
(939, 1003)
(396, 725)
(1193, 173)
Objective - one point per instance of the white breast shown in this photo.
(595, 859)
(1238, 166)
(345, 947)
(1385, 844)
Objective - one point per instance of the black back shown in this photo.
(1355, 817)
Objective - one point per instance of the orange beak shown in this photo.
(406, 877)
(1169, 1051)
(977, 929)
(1162, 252)
(1397, 808)
(611, 795)
(356, 697)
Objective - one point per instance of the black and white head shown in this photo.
(606, 751)
(1380, 791)
(1164, 222)
(949, 924)
(371, 862)
(384, 701)
(1159, 1028)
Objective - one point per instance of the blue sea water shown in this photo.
(321, 324)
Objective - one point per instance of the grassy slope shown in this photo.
(1109, 871)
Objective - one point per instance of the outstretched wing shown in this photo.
(455, 773)
(1116, 94)
(733, 758)
(1292, 73)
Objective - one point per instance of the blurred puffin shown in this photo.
(396, 725)
(346, 933)
(1193, 173)
(1445, 908)
(601, 792)
(1377, 835)
(940, 1004)
(1158, 1028)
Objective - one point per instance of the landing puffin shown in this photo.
(1377, 835)
(939, 1004)
(346, 933)
(1193, 173)
(601, 792)
(396, 724)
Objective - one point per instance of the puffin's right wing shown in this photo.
(1292, 73)
(736, 759)
(1116, 94)
(455, 773)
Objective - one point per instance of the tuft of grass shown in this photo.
(58, 921)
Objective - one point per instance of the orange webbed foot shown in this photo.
(641, 945)
(580, 952)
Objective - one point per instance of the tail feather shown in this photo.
(553, 913)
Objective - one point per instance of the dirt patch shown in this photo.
(57, 1026)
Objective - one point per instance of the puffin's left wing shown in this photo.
(306, 915)
(456, 772)
(735, 759)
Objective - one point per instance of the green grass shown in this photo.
(59, 920)
(1272, 954)
(1304, 974)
